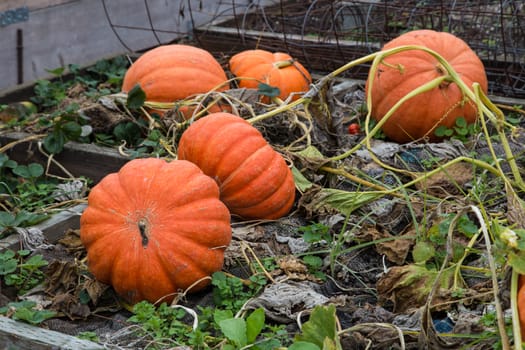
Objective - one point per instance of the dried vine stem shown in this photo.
(12, 144)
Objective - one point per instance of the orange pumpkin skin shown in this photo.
(521, 304)
(170, 73)
(255, 181)
(275, 69)
(155, 228)
(418, 117)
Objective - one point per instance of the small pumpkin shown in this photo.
(402, 72)
(254, 180)
(155, 228)
(171, 73)
(277, 69)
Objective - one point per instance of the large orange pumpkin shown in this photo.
(155, 228)
(255, 181)
(402, 72)
(171, 73)
(278, 69)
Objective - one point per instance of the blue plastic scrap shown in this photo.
(8, 17)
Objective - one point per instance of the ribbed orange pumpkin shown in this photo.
(255, 181)
(155, 228)
(275, 69)
(170, 73)
(402, 72)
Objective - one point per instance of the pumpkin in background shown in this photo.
(254, 180)
(275, 69)
(171, 73)
(155, 228)
(402, 72)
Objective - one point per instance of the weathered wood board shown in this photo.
(91, 161)
(22, 336)
(53, 228)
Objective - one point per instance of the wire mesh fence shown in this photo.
(325, 34)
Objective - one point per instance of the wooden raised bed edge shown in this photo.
(88, 160)
(22, 336)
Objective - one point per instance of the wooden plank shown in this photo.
(31, 4)
(22, 336)
(310, 51)
(283, 36)
(91, 161)
(53, 228)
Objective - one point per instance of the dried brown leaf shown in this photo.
(515, 208)
(395, 250)
(447, 182)
(408, 286)
(72, 242)
(95, 289)
(70, 306)
(61, 276)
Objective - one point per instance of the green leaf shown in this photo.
(461, 122)
(136, 97)
(33, 316)
(443, 131)
(345, 201)
(315, 233)
(313, 261)
(24, 218)
(7, 254)
(12, 279)
(31, 171)
(35, 261)
(3, 159)
(461, 131)
(130, 132)
(8, 262)
(329, 344)
(57, 71)
(301, 182)
(221, 315)
(267, 344)
(35, 170)
(254, 324)
(10, 164)
(303, 345)
(235, 330)
(72, 130)
(321, 325)
(7, 219)
(517, 261)
(467, 226)
(28, 304)
(55, 141)
(311, 152)
(268, 90)
(423, 251)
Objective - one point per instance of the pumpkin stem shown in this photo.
(442, 71)
(283, 64)
(142, 224)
